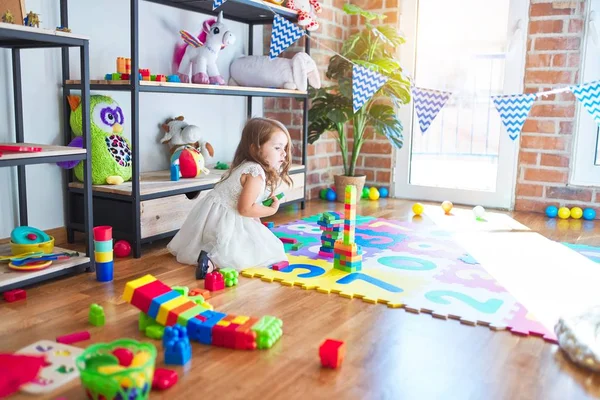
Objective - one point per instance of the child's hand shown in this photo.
(275, 205)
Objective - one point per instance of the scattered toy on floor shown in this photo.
(331, 353)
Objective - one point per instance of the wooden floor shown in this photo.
(390, 353)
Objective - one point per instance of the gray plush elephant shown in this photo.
(283, 73)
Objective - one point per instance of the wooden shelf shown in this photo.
(10, 278)
(152, 184)
(21, 36)
(49, 154)
(190, 88)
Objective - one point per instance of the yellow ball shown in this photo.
(417, 208)
(576, 212)
(564, 213)
(373, 193)
(447, 206)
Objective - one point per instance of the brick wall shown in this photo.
(553, 59)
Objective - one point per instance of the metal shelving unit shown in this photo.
(122, 208)
(17, 37)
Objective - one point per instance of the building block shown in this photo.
(155, 331)
(143, 295)
(288, 240)
(268, 331)
(96, 315)
(177, 345)
(230, 276)
(269, 224)
(14, 295)
(245, 337)
(214, 281)
(174, 314)
(160, 300)
(190, 313)
(200, 329)
(132, 285)
(332, 353)
(280, 265)
(296, 246)
(144, 321)
(164, 378)
(73, 337)
(183, 290)
(199, 292)
(165, 308)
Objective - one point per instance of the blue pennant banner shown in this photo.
(513, 111)
(589, 96)
(218, 3)
(283, 35)
(428, 104)
(365, 82)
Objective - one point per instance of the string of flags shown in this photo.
(513, 109)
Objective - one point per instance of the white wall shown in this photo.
(221, 117)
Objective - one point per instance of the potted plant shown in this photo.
(375, 47)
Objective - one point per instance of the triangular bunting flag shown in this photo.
(513, 111)
(428, 104)
(365, 82)
(218, 3)
(283, 34)
(589, 96)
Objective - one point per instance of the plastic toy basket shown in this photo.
(105, 379)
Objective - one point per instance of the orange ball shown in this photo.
(447, 206)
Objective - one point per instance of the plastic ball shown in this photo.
(384, 192)
(373, 193)
(589, 214)
(365, 193)
(552, 211)
(576, 212)
(479, 212)
(331, 195)
(122, 248)
(417, 208)
(564, 213)
(323, 194)
(447, 206)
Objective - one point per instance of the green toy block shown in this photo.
(116, 76)
(155, 331)
(96, 315)
(296, 246)
(183, 290)
(197, 299)
(268, 202)
(268, 331)
(145, 321)
(221, 165)
(230, 276)
(153, 77)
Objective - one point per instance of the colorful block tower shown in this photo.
(331, 226)
(169, 307)
(103, 253)
(347, 254)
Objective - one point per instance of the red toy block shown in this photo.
(14, 295)
(164, 378)
(73, 337)
(288, 240)
(214, 281)
(174, 313)
(280, 265)
(245, 338)
(161, 78)
(143, 296)
(332, 353)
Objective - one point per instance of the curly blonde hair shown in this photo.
(255, 134)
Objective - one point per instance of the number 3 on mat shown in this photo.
(488, 307)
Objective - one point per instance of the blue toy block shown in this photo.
(159, 300)
(176, 345)
(201, 331)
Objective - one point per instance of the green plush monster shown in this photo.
(111, 153)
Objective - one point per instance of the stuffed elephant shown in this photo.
(261, 71)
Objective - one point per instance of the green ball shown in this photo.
(365, 193)
(323, 194)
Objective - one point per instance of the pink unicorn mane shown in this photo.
(180, 48)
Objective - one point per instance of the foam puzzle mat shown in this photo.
(415, 266)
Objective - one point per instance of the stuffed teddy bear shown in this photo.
(307, 10)
(261, 71)
(111, 152)
(179, 133)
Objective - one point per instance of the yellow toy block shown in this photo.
(132, 285)
(163, 312)
(224, 323)
(240, 320)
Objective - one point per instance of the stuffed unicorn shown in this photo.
(202, 52)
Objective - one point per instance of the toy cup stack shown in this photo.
(103, 253)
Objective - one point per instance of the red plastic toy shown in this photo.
(73, 337)
(14, 295)
(122, 248)
(214, 281)
(280, 265)
(164, 378)
(332, 353)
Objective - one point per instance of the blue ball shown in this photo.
(589, 214)
(552, 211)
(383, 192)
(331, 195)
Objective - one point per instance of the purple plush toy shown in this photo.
(77, 142)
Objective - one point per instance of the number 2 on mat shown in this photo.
(488, 307)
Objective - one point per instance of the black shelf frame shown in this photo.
(122, 212)
(29, 38)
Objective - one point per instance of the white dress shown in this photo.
(230, 239)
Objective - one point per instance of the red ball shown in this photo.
(122, 248)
